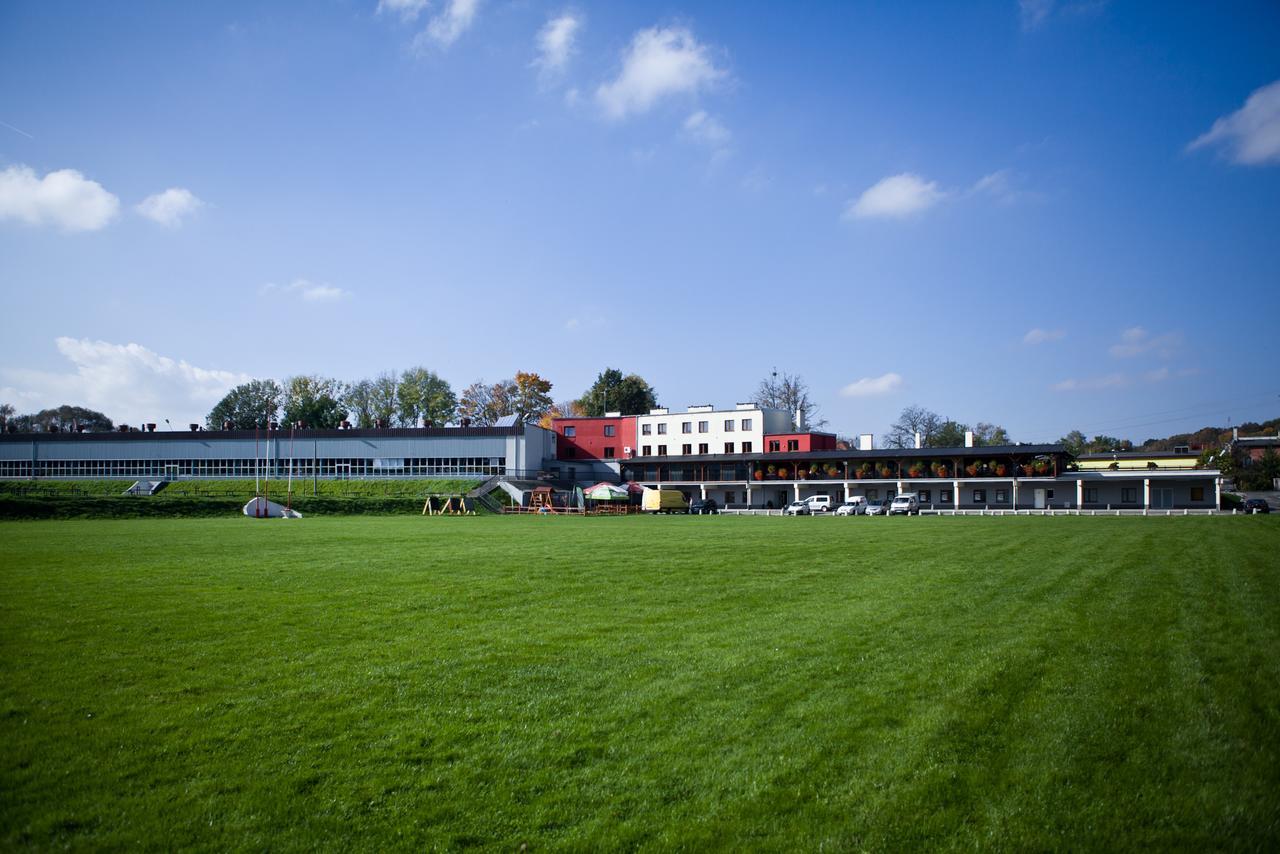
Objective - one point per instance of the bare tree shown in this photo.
(789, 392)
(913, 420)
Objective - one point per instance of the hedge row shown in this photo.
(56, 507)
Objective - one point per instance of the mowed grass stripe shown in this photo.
(606, 683)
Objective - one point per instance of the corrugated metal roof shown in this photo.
(878, 454)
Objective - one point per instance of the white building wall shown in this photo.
(717, 432)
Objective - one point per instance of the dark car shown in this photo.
(1256, 505)
(704, 505)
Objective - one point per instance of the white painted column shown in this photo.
(848, 492)
(1146, 494)
(1079, 494)
(1015, 495)
(704, 491)
(1217, 493)
(796, 485)
(955, 495)
(748, 495)
(900, 490)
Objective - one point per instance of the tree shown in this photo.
(383, 404)
(532, 396)
(1075, 442)
(314, 401)
(613, 392)
(359, 402)
(949, 435)
(913, 420)
(789, 392)
(67, 417)
(252, 404)
(473, 403)
(560, 409)
(6, 412)
(990, 434)
(424, 396)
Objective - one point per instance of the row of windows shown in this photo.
(687, 427)
(687, 450)
(246, 468)
(775, 445)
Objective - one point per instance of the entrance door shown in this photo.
(342, 471)
(1040, 498)
(1162, 498)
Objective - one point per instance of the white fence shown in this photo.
(1046, 512)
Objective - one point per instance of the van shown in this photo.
(663, 501)
(905, 503)
(818, 503)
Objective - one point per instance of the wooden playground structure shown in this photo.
(449, 505)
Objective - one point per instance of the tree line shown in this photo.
(420, 397)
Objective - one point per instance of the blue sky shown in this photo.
(1049, 215)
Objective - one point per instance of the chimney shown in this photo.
(800, 428)
(865, 442)
(919, 443)
(968, 438)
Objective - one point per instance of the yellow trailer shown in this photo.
(663, 501)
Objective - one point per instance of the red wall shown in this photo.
(589, 440)
(808, 441)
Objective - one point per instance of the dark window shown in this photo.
(774, 446)
(662, 429)
(728, 447)
(704, 426)
(945, 496)
(746, 424)
(662, 450)
(925, 495)
(608, 453)
(686, 449)
(1129, 494)
(570, 431)
(793, 444)
(746, 447)
(1002, 496)
(647, 451)
(728, 425)
(728, 498)
(702, 448)
(979, 496)
(686, 427)
(1090, 495)
(570, 452)
(1049, 494)
(608, 429)
(646, 429)
(1197, 493)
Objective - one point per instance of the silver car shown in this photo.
(875, 507)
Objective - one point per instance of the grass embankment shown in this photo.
(612, 683)
(196, 498)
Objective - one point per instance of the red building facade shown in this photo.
(781, 443)
(605, 438)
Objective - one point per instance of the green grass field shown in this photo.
(761, 683)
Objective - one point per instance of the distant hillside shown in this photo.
(1212, 437)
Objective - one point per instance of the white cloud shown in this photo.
(897, 196)
(407, 9)
(658, 63)
(707, 130)
(1093, 383)
(168, 208)
(127, 382)
(64, 198)
(1040, 336)
(872, 386)
(448, 26)
(1252, 133)
(1034, 13)
(555, 43)
(307, 290)
(1137, 341)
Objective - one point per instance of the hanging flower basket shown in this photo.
(782, 472)
(759, 475)
(942, 471)
(1002, 470)
(972, 471)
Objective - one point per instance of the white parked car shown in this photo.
(797, 508)
(818, 503)
(905, 504)
(875, 507)
(852, 508)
